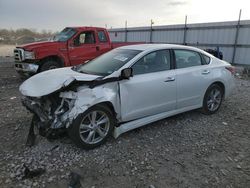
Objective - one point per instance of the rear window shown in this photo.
(206, 59)
(102, 37)
(187, 58)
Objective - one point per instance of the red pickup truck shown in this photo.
(72, 46)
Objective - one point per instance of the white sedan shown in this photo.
(124, 89)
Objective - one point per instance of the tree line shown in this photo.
(24, 35)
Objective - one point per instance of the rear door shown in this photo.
(103, 45)
(193, 76)
(151, 90)
(83, 48)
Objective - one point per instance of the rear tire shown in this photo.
(93, 127)
(48, 65)
(212, 99)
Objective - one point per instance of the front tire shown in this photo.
(92, 128)
(48, 65)
(212, 99)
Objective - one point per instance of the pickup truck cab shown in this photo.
(72, 46)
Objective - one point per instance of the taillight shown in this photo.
(231, 69)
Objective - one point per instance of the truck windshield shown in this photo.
(107, 63)
(64, 35)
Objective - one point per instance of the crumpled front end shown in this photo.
(55, 112)
(56, 97)
(49, 112)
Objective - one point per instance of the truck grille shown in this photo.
(19, 54)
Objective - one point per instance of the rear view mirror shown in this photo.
(126, 73)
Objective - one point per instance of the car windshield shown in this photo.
(64, 35)
(107, 63)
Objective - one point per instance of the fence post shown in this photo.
(151, 31)
(126, 31)
(185, 31)
(236, 38)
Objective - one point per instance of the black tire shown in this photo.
(23, 76)
(208, 99)
(48, 65)
(74, 129)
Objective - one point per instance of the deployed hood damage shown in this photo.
(50, 81)
(57, 97)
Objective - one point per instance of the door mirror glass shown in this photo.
(126, 73)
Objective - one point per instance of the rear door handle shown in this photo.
(205, 72)
(170, 79)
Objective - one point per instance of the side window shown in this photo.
(187, 58)
(102, 36)
(152, 62)
(86, 37)
(206, 59)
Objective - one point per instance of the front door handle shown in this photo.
(205, 72)
(169, 79)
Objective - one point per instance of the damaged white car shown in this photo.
(124, 89)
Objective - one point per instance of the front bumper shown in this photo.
(26, 67)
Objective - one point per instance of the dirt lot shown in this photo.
(187, 150)
(6, 50)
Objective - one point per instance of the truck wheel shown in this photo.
(22, 76)
(47, 65)
(92, 128)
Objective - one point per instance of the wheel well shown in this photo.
(53, 58)
(221, 85)
(109, 105)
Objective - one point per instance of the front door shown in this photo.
(83, 48)
(151, 90)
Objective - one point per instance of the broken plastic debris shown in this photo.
(74, 181)
(32, 173)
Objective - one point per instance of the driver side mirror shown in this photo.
(126, 73)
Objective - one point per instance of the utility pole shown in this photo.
(151, 31)
(185, 31)
(126, 31)
(236, 37)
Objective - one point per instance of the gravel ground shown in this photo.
(187, 150)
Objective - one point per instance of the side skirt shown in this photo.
(146, 120)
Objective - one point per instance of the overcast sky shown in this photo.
(56, 14)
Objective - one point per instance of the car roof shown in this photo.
(150, 47)
(85, 28)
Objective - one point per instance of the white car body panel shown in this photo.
(146, 94)
(49, 81)
(191, 85)
(86, 97)
(149, 119)
(142, 99)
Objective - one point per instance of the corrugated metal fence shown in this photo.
(232, 38)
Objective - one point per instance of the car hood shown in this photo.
(35, 45)
(52, 80)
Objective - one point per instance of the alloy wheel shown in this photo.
(214, 99)
(94, 127)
